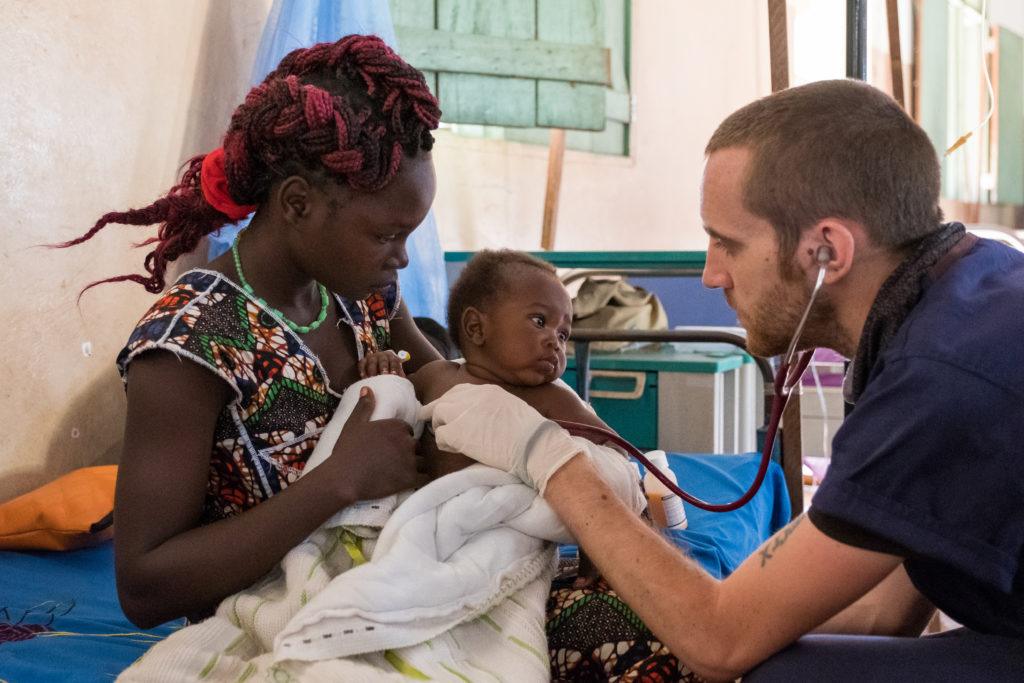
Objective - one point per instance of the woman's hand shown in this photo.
(381, 363)
(373, 459)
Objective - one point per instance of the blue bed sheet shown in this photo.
(60, 619)
(720, 541)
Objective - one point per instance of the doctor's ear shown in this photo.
(830, 244)
(473, 326)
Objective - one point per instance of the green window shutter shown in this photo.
(1010, 164)
(494, 66)
(515, 68)
(572, 21)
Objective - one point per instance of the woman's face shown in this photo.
(358, 245)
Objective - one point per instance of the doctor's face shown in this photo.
(767, 292)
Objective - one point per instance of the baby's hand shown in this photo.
(381, 363)
(587, 575)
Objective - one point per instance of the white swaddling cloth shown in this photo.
(394, 398)
(453, 550)
(455, 587)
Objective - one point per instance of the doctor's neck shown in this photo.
(853, 296)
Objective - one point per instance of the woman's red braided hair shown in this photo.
(349, 111)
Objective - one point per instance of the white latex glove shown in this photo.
(490, 425)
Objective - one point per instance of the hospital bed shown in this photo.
(60, 618)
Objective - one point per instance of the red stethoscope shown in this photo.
(787, 377)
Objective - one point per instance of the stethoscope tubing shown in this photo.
(788, 376)
(778, 407)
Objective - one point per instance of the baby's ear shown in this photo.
(474, 326)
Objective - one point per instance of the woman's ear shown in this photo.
(293, 198)
(473, 326)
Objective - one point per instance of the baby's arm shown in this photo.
(430, 382)
(558, 402)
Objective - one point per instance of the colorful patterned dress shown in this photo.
(594, 636)
(282, 398)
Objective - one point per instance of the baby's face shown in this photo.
(528, 329)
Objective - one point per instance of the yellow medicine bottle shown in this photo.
(666, 508)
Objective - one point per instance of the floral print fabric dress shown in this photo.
(264, 436)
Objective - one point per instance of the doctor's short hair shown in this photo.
(487, 276)
(836, 148)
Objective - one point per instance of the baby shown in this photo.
(510, 316)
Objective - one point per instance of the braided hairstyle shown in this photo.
(347, 112)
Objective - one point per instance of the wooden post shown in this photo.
(915, 66)
(892, 12)
(993, 123)
(792, 453)
(778, 44)
(556, 154)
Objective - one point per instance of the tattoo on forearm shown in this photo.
(773, 544)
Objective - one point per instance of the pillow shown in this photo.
(71, 512)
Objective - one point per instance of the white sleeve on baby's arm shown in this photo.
(617, 471)
(394, 397)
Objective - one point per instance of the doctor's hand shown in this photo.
(495, 428)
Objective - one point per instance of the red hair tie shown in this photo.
(214, 182)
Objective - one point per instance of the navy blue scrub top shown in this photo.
(931, 459)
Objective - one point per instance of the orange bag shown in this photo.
(71, 512)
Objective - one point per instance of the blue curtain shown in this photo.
(301, 23)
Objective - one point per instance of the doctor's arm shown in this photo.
(797, 580)
(892, 608)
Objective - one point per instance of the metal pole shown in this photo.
(856, 67)
(857, 39)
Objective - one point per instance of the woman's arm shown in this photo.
(167, 565)
(405, 336)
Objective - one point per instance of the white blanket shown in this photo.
(456, 587)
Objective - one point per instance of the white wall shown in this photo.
(693, 64)
(102, 100)
(1008, 13)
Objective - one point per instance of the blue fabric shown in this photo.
(70, 593)
(293, 24)
(720, 541)
(931, 456)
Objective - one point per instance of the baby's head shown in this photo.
(510, 315)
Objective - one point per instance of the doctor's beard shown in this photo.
(774, 318)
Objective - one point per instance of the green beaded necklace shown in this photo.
(298, 329)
